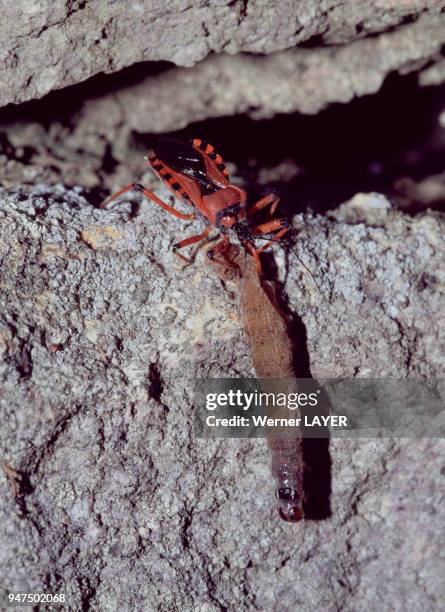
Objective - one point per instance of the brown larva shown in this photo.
(265, 326)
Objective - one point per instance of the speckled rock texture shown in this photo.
(117, 503)
(51, 44)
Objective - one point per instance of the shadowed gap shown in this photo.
(362, 146)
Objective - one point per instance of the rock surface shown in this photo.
(49, 45)
(118, 504)
(89, 135)
(303, 80)
(96, 136)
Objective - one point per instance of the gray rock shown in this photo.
(121, 507)
(304, 80)
(76, 144)
(49, 45)
(433, 75)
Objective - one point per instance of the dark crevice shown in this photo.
(23, 489)
(80, 5)
(319, 40)
(156, 384)
(363, 146)
(187, 522)
(411, 18)
(62, 104)
(24, 362)
(89, 591)
(20, 358)
(243, 11)
(205, 30)
(22, 154)
(109, 164)
(44, 450)
(317, 478)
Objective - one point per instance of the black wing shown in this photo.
(183, 158)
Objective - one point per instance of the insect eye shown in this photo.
(228, 221)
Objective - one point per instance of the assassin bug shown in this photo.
(197, 174)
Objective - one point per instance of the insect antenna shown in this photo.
(313, 277)
(264, 238)
(299, 259)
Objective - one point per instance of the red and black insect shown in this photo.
(196, 174)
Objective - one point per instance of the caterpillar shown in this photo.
(272, 357)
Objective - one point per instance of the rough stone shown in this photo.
(75, 144)
(49, 45)
(304, 80)
(120, 506)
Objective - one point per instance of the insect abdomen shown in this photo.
(287, 469)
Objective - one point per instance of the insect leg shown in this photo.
(256, 255)
(151, 196)
(282, 225)
(271, 199)
(13, 477)
(188, 241)
(220, 248)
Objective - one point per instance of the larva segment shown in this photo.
(287, 468)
